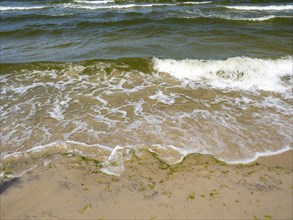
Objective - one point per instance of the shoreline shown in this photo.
(199, 187)
(284, 160)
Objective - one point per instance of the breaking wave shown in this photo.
(233, 73)
(262, 8)
(11, 8)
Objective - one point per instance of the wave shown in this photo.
(11, 8)
(243, 73)
(111, 160)
(125, 6)
(95, 7)
(262, 8)
(195, 3)
(107, 109)
(29, 32)
(118, 22)
(94, 2)
(233, 73)
(264, 18)
(260, 154)
(183, 20)
(102, 4)
(220, 18)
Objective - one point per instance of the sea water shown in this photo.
(107, 78)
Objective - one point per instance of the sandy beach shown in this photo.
(146, 109)
(200, 187)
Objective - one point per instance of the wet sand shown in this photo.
(200, 187)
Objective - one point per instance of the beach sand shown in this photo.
(200, 187)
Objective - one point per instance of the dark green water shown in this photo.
(103, 78)
(84, 30)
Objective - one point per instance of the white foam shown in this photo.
(11, 8)
(94, 7)
(262, 8)
(196, 3)
(6, 155)
(264, 18)
(194, 124)
(57, 112)
(168, 100)
(234, 73)
(120, 6)
(60, 144)
(116, 110)
(170, 159)
(275, 103)
(184, 152)
(46, 162)
(115, 163)
(90, 145)
(99, 4)
(24, 89)
(259, 154)
(94, 2)
(43, 147)
(103, 101)
(3, 174)
(138, 109)
(193, 14)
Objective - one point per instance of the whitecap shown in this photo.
(196, 3)
(233, 73)
(11, 8)
(117, 6)
(262, 8)
(94, 2)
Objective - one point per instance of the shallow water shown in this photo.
(101, 77)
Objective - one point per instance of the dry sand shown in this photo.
(200, 187)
